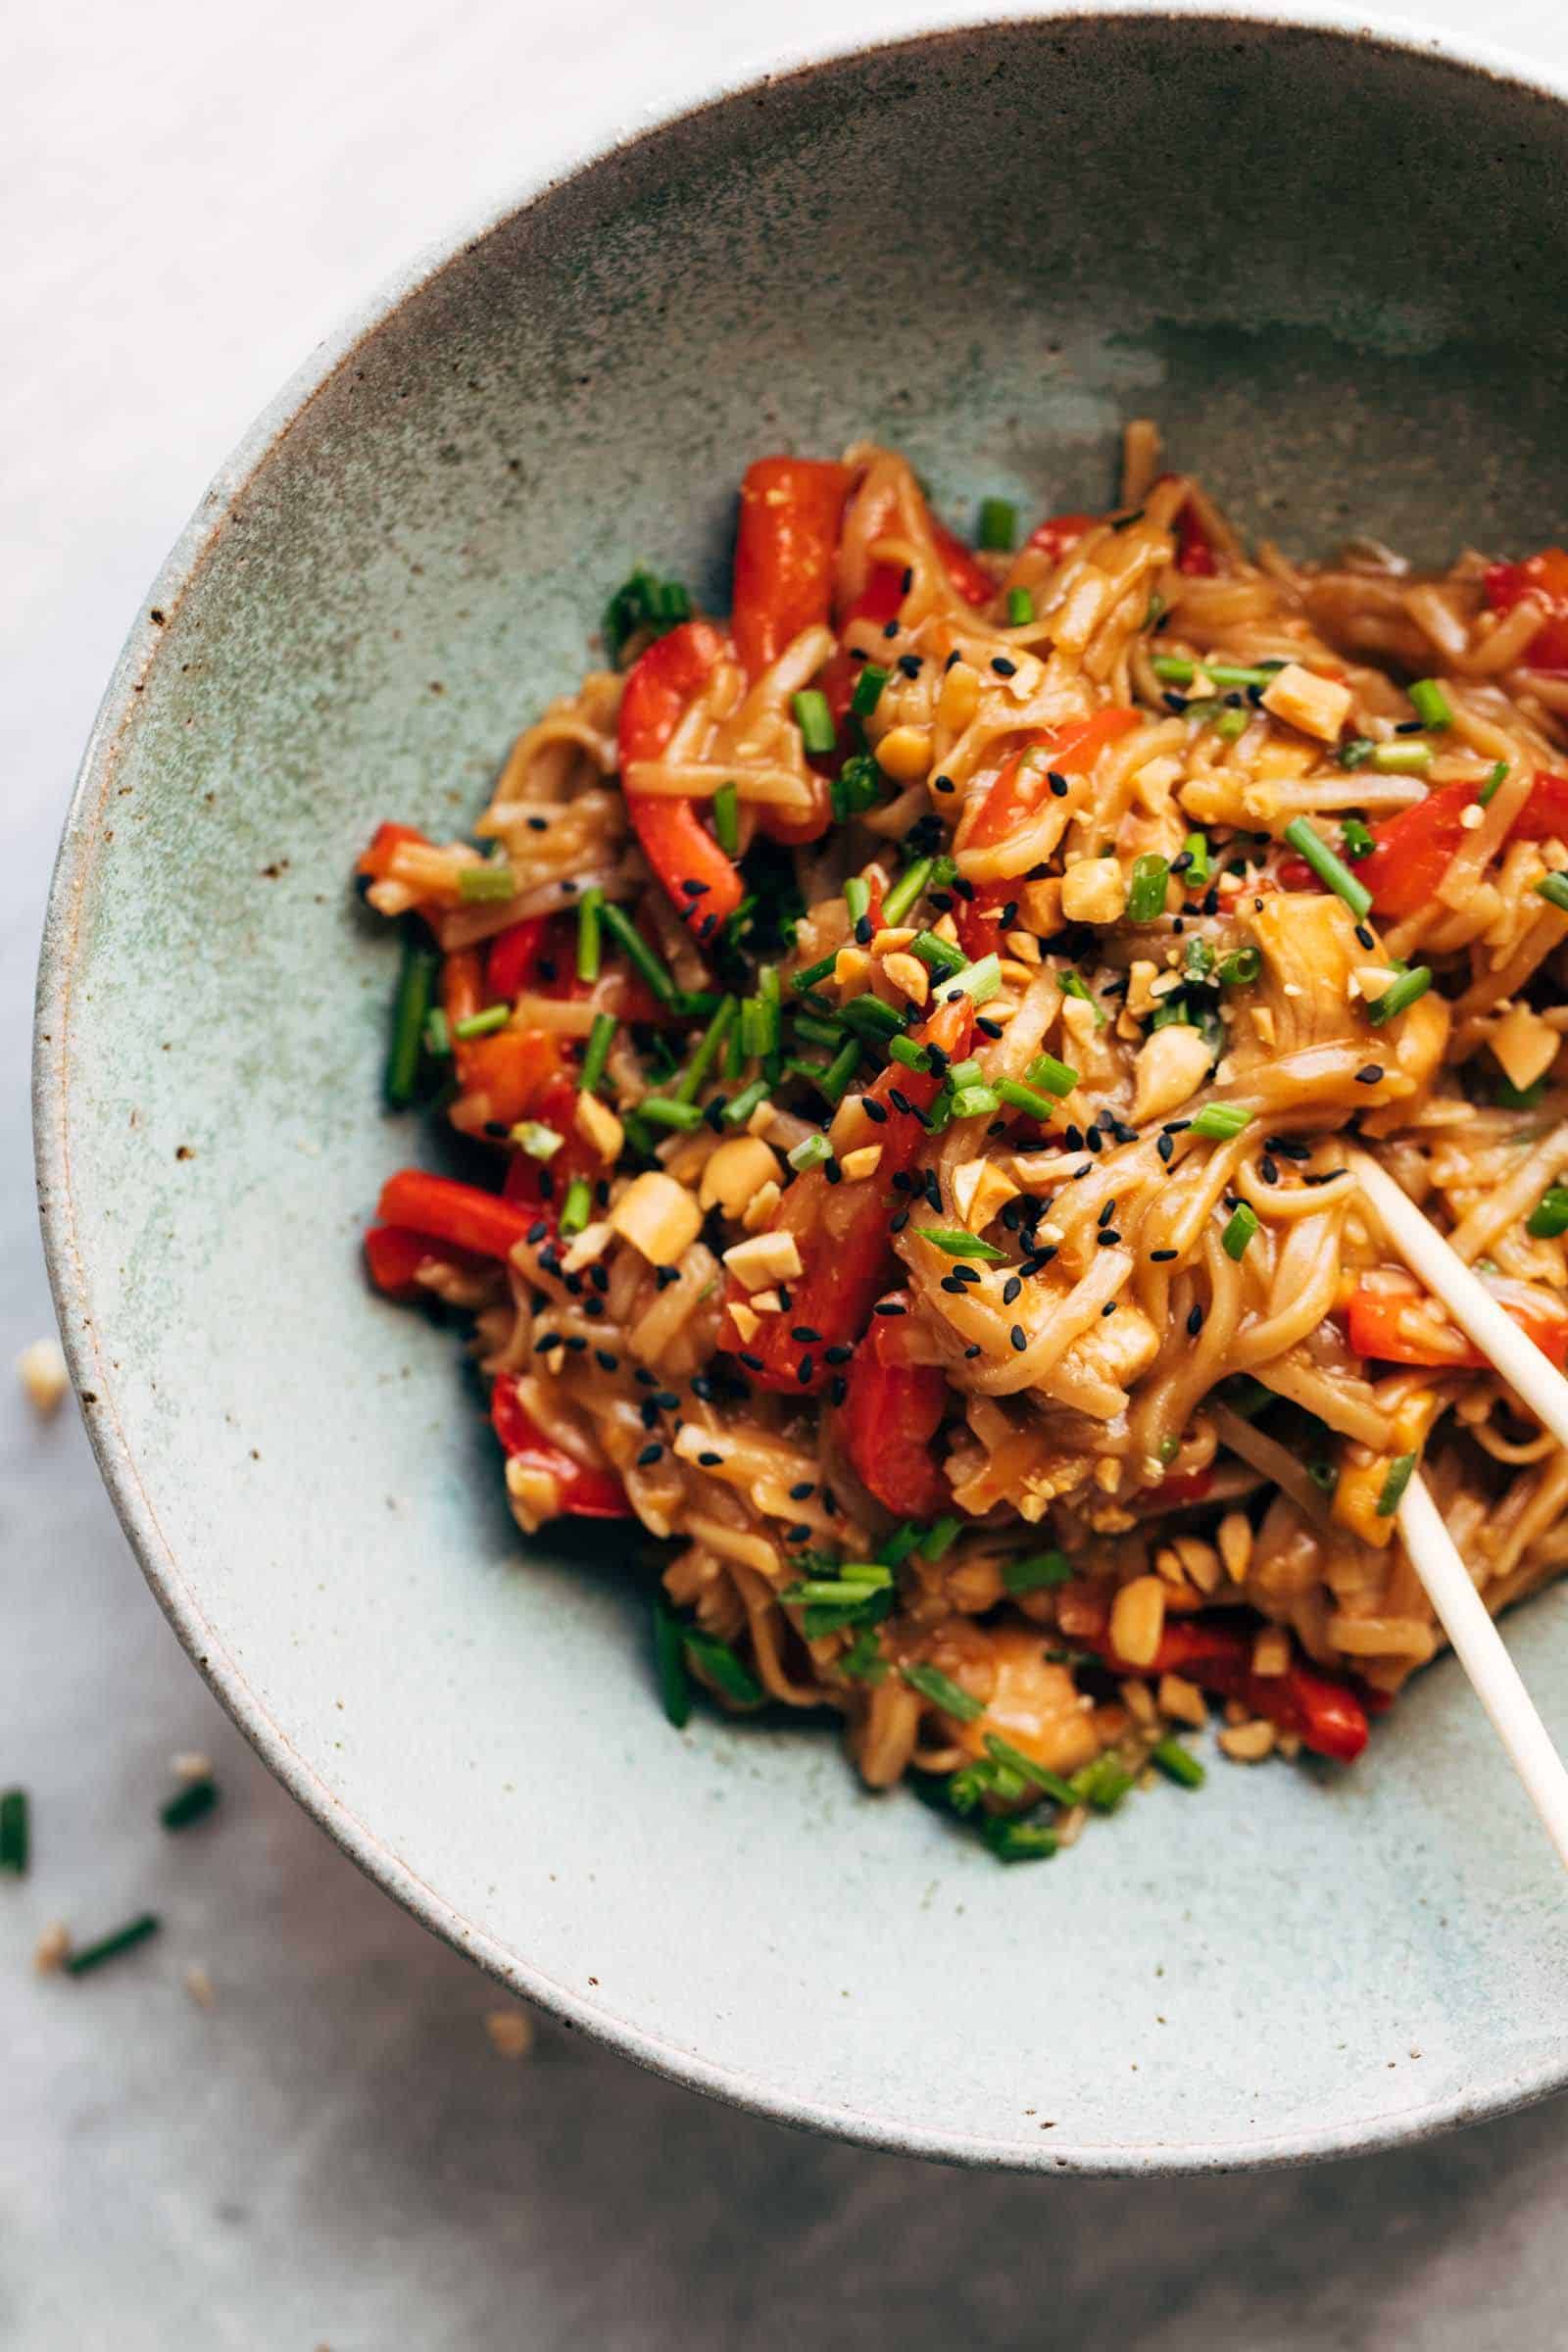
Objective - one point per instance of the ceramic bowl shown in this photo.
(1332, 266)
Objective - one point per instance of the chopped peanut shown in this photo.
(1181, 1700)
(745, 1322)
(762, 1208)
(980, 1192)
(598, 1127)
(1524, 1045)
(961, 697)
(1022, 945)
(1172, 1064)
(852, 968)
(1271, 1652)
(857, 1165)
(1234, 1535)
(1138, 1619)
(765, 1258)
(589, 1246)
(1093, 891)
(41, 1370)
(1039, 903)
(657, 1216)
(910, 976)
(887, 941)
(905, 753)
(510, 2032)
(1316, 706)
(736, 1173)
(1247, 1743)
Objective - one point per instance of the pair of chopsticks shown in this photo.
(1433, 1552)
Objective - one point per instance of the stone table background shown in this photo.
(333, 2155)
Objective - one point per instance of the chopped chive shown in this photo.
(1195, 849)
(956, 1242)
(810, 1153)
(834, 1080)
(980, 981)
(856, 787)
(1400, 996)
(1355, 840)
(906, 890)
(1305, 838)
(701, 1062)
(1429, 704)
(1554, 890)
(1102, 1784)
(738, 1111)
(821, 971)
(628, 936)
(482, 1024)
(661, 1111)
(815, 720)
(817, 1032)
(867, 690)
(599, 1039)
(1054, 1077)
(975, 1101)
(411, 1010)
(1400, 1472)
(999, 525)
(1405, 759)
(727, 819)
(870, 1018)
(733, 1678)
(1356, 751)
(577, 1206)
(965, 1073)
(1173, 671)
(644, 602)
(1145, 893)
(1034, 1574)
(940, 1536)
(1230, 725)
(539, 1142)
(588, 907)
(1493, 783)
(939, 955)
(15, 1838)
(1016, 1841)
(1239, 1232)
(864, 1661)
(437, 1035)
(1039, 1776)
(1240, 968)
(898, 1546)
(190, 1803)
(941, 1692)
(1073, 984)
(487, 884)
(1221, 1121)
(857, 896)
(1549, 1216)
(1199, 960)
(1020, 608)
(108, 1947)
(1027, 1098)
(1177, 1763)
(912, 1055)
(669, 1658)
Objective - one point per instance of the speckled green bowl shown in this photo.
(1332, 266)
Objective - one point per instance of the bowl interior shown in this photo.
(1332, 269)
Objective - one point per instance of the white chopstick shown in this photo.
(1524, 1366)
(1435, 1556)
(1479, 1648)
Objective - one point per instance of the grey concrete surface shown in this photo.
(333, 2155)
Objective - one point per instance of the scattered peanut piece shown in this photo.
(1317, 707)
(510, 2032)
(766, 1258)
(53, 1948)
(41, 1370)
(658, 1217)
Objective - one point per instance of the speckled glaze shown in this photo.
(1332, 266)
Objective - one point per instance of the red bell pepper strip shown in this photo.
(393, 1258)
(893, 1410)
(659, 686)
(1069, 751)
(840, 1232)
(1375, 1323)
(1059, 534)
(387, 838)
(446, 1211)
(585, 1493)
(1194, 553)
(785, 546)
(514, 958)
(1191, 1487)
(879, 599)
(1328, 1715)
(1545, 577)
(1414, 849)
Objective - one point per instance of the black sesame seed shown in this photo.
(1107, 1213)
(1167, 1148)
(1194, 1322)
(1059, 785)
(973, 1350)
(838, 1388)
(1019, 1337)
(1268, 1170)
(889, 1307)
(753, 1363)
(804, 1334)
(890, 629)
(1369, 1074)
(650, 1454)
(943, 784)
(991, 1029)
(1158, 1257)
(910, 663)
(606, 1361)
(1107, 1236)
(838, 1354)
(708, 1461)
(1004, 668)
(804, 1492)
(832, 1171)
(537, 1229)
(874, 1110)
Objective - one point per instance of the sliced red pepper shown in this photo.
(514, 958)
(1545, 577)
(448, 1212)
(387, 838)
(1414, 849)
(513, 1069)
(659, 685)
(1328, 1715)
(585, 1493)
(1012, 800)
(1191, 1487)
(883, 594)
(840, 1232)
(392, 1257)
(1194, 553)
(1059, 534)
(785, 547)
(893, 1410)
(1375, 1320)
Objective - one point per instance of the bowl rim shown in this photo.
(612, 131)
